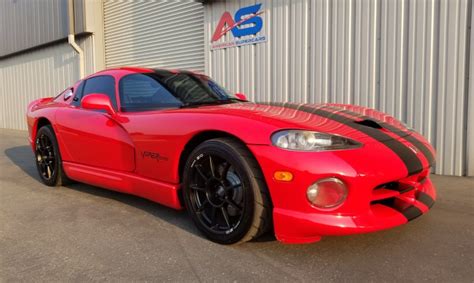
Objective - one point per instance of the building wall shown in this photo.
(470, 107)
(164, 34)
(407, 58)
(410, 58)
(39, 73)
(26, 24)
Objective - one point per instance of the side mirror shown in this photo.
(98, 101)
(241, 96)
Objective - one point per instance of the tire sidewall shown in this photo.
(48, 131)
(227, 152)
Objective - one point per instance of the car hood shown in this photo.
(340, 119)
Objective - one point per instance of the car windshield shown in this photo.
(167, 89)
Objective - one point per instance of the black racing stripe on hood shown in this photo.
(411, 161)
(410, 138)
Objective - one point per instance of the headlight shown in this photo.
(327, 193)
(311, 141)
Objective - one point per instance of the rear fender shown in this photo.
(35, 103)
(35, 117)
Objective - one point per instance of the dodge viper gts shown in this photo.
(239, 168)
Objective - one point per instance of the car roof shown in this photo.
(125, 69)
(141, 70)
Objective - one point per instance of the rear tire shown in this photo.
(48, 158)
(225, 193)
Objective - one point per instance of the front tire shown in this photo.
(48, 158)
(225, 193)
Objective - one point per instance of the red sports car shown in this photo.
(239, 168)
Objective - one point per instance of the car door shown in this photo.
(152, 132)
(92, 137)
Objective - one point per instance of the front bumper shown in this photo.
(370, 205)
(297, 227)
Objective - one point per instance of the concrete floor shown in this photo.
(83, 233)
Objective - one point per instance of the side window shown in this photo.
(67, 94)
(140, 92)
(76, 101)
(101, 84)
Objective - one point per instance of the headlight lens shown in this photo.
(311, 141)
(327, 193)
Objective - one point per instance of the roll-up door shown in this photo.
(159, 34)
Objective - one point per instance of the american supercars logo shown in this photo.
(246, 23)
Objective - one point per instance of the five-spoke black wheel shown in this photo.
(225, 193)
(48, 158)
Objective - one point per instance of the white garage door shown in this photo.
(157, 34)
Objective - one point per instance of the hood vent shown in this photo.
(369, 123)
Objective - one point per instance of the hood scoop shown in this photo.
(369, 123)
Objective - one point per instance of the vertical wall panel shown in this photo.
(167, 34)
(409, 58)
(470, 105)
(452, 93)
(26, 24)
(36, 74)
(365, 71)
(393, 56)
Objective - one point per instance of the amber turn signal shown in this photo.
(284, 176)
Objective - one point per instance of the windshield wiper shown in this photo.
(215, 102)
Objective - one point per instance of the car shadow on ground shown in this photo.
(23, 158)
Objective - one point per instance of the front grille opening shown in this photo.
(396, 186)
(369, 123)
(389, 186)
(422, 179)
(390, 202)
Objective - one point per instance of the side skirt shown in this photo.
(162, 193)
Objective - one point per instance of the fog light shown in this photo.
(327, 193)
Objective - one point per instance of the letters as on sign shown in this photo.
(246, 23)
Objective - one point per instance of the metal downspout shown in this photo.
(71, 38)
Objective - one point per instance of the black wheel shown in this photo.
(48, 158)
(225, 193)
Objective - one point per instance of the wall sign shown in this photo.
(249, 17)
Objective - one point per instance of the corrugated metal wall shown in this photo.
(470, 108)
(36, 74)
(407, 58)
(166, 34)
(25, 24)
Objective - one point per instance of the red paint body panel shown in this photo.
(110, 151)
(160, 192)
(108, 144)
